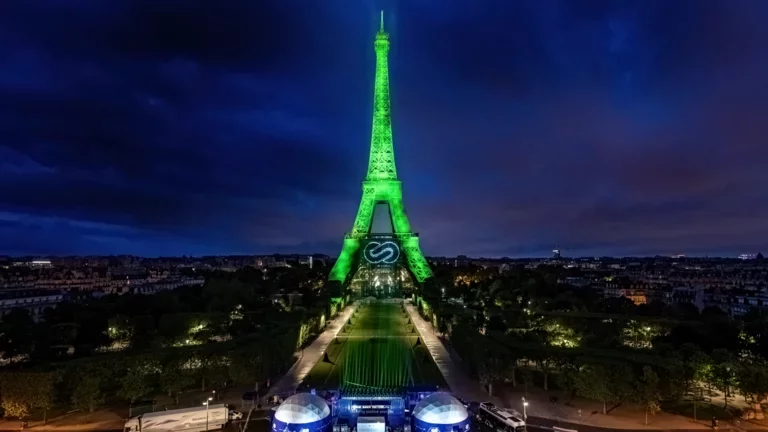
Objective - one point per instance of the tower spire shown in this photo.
(381, 164)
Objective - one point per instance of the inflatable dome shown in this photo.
(300, 412)
(441, 411)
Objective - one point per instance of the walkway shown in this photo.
(460, 384)
(585, 415)
(286, 385)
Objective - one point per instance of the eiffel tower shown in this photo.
(381, 188)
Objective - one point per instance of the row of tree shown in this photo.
(228, 305)
(87, 383)
(523, 324)
(236, 329)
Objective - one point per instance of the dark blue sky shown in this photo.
(198, 127)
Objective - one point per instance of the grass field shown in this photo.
(378, 350)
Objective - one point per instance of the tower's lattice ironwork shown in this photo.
(381, 184)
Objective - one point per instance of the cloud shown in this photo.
(158, 127)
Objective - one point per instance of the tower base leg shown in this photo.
(343, 265)
(416, 261)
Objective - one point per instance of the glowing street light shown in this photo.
(525, 409)
(207, 404)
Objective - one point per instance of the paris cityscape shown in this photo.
(384, 216)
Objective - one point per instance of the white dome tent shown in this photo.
(440, 412)
(302, 412)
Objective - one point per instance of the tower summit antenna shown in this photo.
(381, 29)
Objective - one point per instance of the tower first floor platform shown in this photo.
(379, 266)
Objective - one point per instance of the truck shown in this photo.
(196, 419)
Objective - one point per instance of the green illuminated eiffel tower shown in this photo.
(381, 185)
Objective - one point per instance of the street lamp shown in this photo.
(207, 404)
(525, 409)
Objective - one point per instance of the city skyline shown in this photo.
(603, 128)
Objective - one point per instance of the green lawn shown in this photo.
(378, 350)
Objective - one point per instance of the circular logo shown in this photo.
(381, 253)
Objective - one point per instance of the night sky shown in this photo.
(215, 127)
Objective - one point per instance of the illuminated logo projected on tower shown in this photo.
(381, 253)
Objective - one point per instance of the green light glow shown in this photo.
(381, 184)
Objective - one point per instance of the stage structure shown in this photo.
(375, 257)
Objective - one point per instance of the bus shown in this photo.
(499, 419)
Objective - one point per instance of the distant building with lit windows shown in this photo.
(635, 293)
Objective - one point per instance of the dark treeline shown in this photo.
(523, 328)
(238, 328)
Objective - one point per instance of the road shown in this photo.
(544, 424)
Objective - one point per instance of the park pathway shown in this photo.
(310, 355)
(460, 384)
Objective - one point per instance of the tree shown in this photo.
(22, 391)
(593, 382)
(686, 311)
(696, 397)
(89, 326)
(42, 391)
(334, 289)
(724, 372)
(672, 378)
(133, 384)
(119, 329)
(87, 393)
(510, 371)
(526, 376)
(702, 369)
(15, 395)
(246, 366)
(619, 305)
(755, 335)
(15, 408)
(443, 324)
(142, 331)
(175, 328)
(17, 334)
(213, 369)
(567, 377)
(622, 381)
(638, 334)
(690, 354)
(465, 338)
(753, 381)
(490, 372)
(545, 362)
(495, 323)
(174, 378)
(648, 393)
